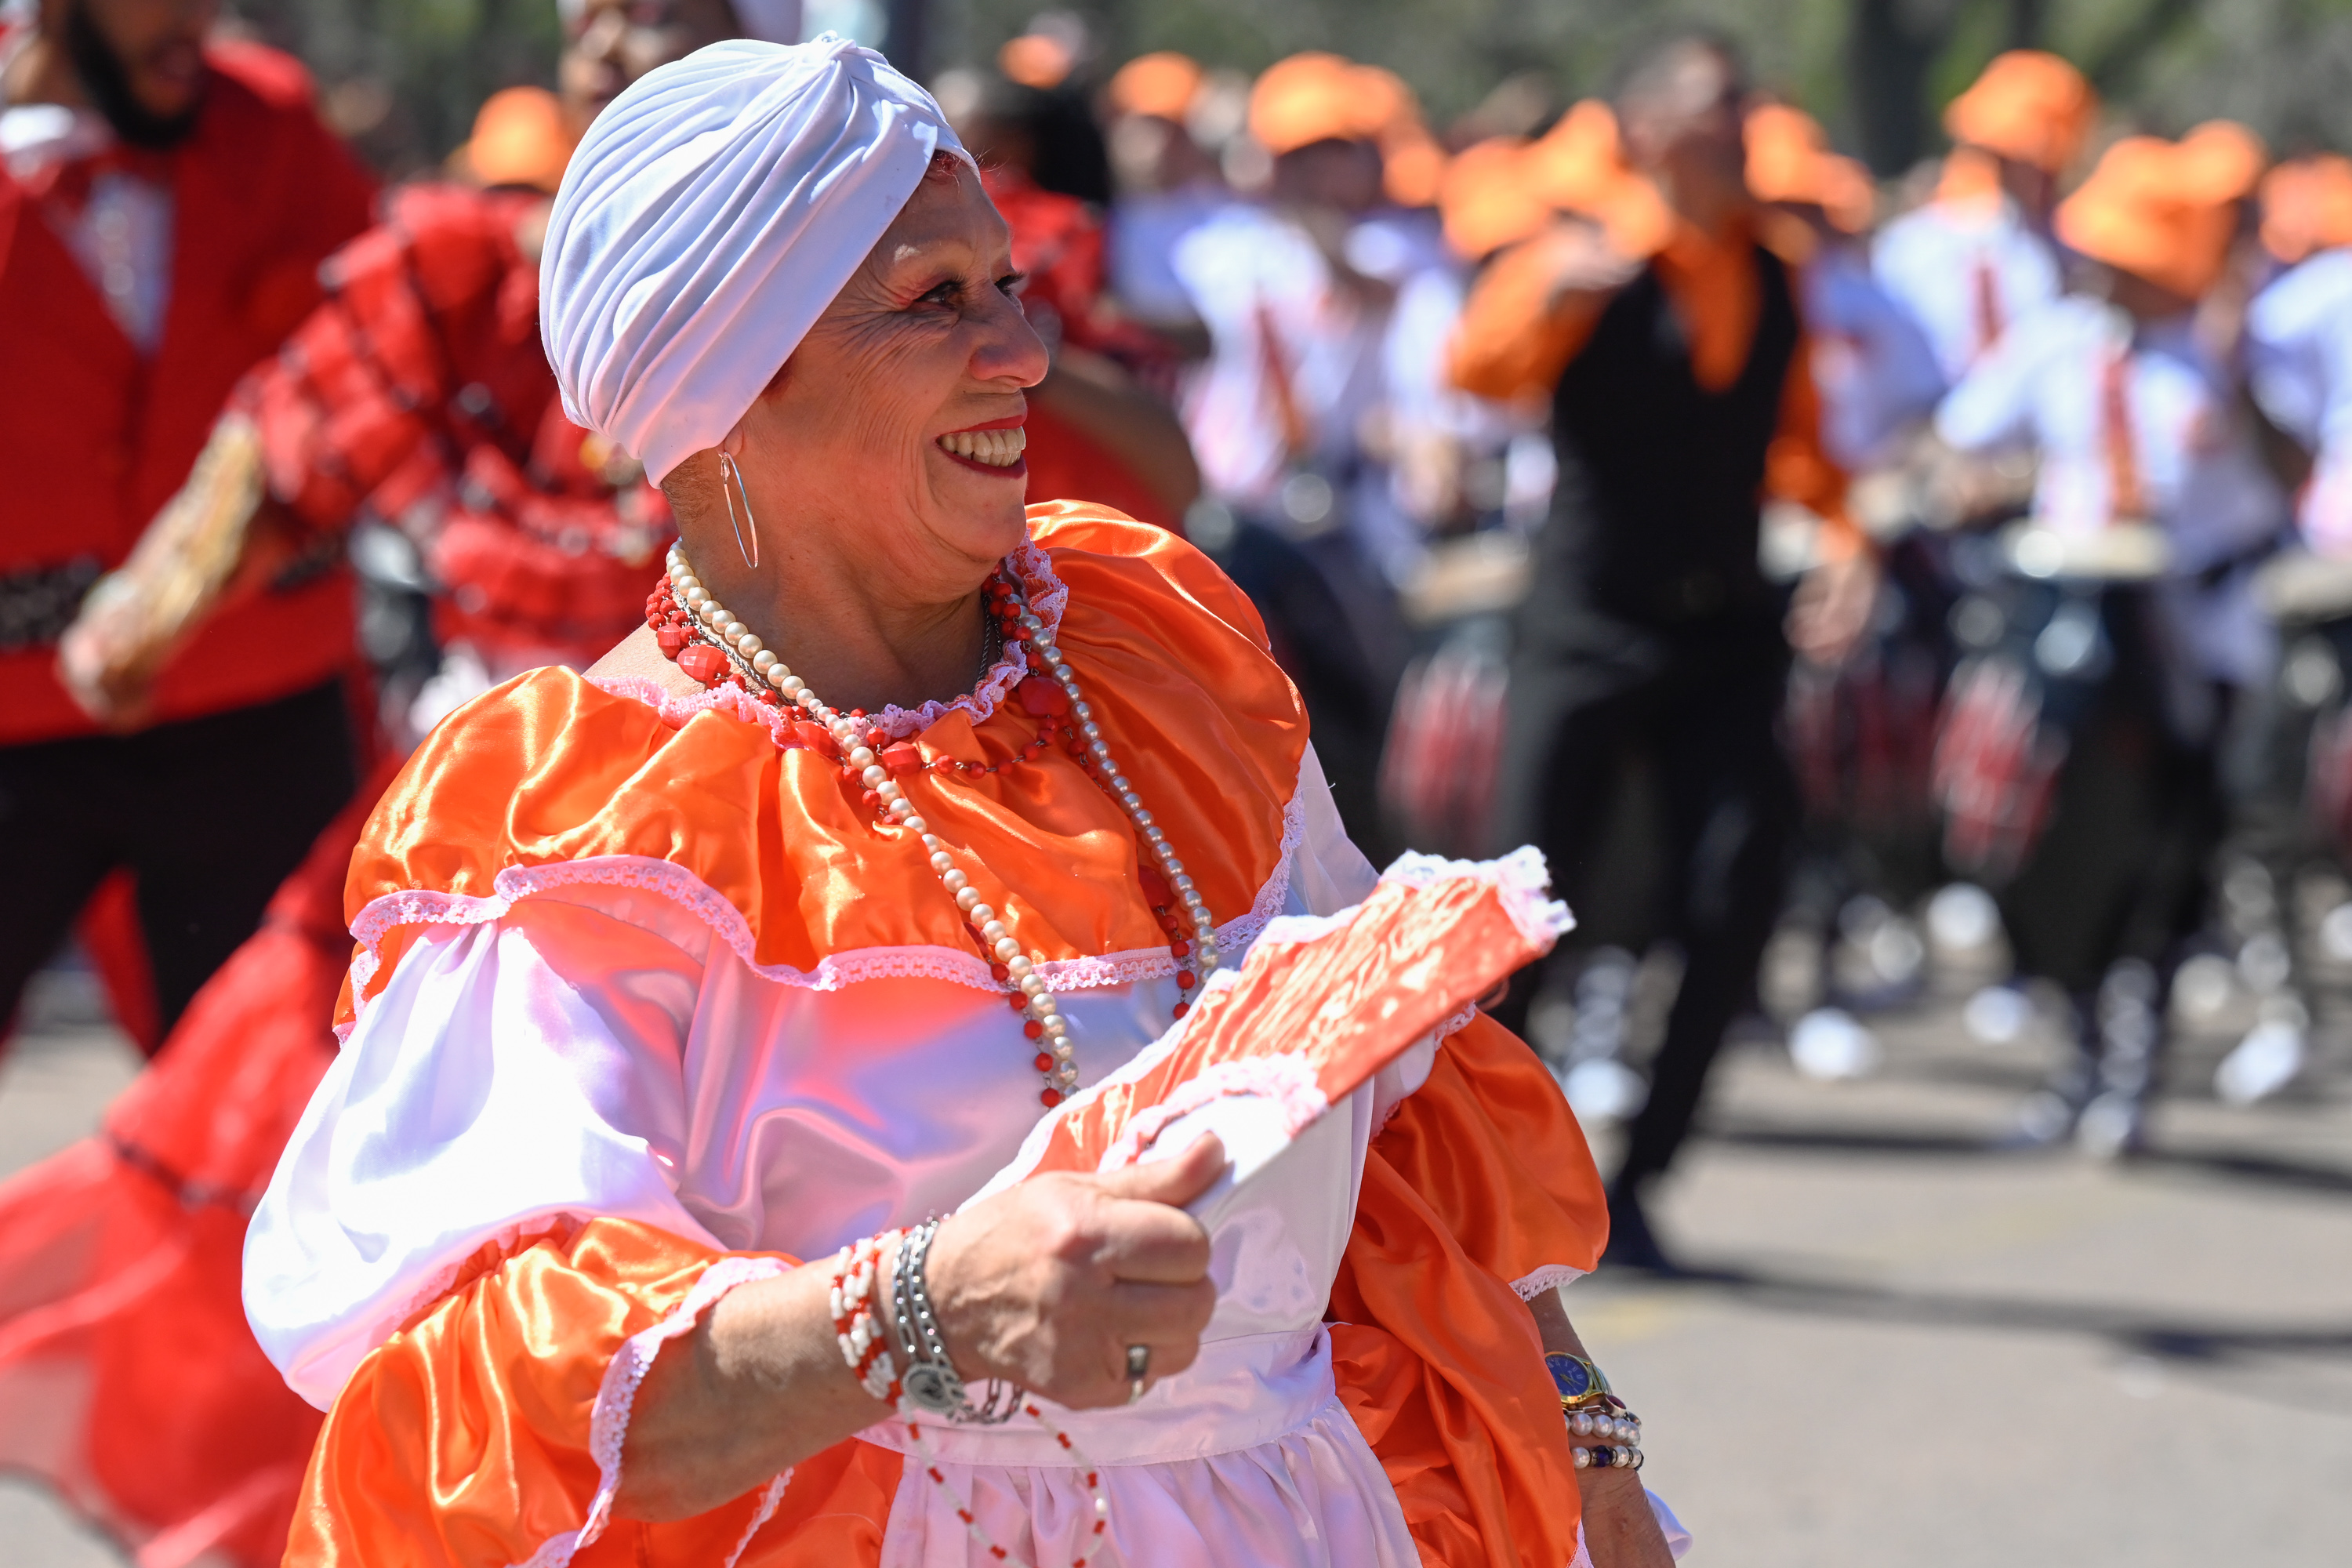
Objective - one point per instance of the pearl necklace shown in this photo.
(710, 645)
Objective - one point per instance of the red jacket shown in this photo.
(94, 439)
(418, 393)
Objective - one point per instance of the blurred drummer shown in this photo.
(2081, 763)
(1980, 254)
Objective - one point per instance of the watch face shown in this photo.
(1570, 1376)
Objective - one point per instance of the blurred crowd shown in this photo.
(1963, 558)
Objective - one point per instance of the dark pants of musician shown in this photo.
(1699, 704)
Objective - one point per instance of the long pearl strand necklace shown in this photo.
(691, 625)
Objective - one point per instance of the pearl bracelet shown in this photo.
(1618, 1424)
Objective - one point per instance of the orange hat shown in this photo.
(521, 138)
(1317, 97)
(2027, 105)
(2149, 209)
(2224, 159)
(1489, 198)
(1789, 160)
(1578, 167)
(1035, 59)
(2307, 206)
(1161, 84)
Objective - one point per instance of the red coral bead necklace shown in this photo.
(709, 643)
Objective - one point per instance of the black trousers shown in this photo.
(209, 814)
(1700, 705)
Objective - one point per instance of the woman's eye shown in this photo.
(1010, 284)
(944, 294)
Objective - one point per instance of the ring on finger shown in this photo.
(1139, 1367)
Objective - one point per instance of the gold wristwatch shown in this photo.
(1580, 1385)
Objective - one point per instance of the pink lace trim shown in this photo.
(1288, 1080)
(670, 880)
(1550, 1276)
(608, 1423)
(1522, 878)
(1048, 596)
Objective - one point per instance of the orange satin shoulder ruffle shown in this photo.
(1481, 1178)
(1170, 655)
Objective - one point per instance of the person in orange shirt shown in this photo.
(1680, 393)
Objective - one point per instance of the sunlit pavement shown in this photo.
(1900, 1349)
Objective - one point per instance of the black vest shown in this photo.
(1656, 516)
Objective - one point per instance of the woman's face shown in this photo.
(893, 423)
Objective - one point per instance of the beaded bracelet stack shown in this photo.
(862, 1340)
(1607, 1458)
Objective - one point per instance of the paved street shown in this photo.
(1905, 1350)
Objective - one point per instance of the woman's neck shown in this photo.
(861, 636)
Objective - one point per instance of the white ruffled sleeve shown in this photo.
(509, 1074)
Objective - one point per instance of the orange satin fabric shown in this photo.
(464, 1440)
(1481, 1178)
(1349, 1002)
(1169, 653)
(1515, 340)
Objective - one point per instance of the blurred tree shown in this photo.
(402, 78)
(1877, 71)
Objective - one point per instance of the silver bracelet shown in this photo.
(930, 1381)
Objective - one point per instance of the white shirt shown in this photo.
(1276, 316)
(1877, 375)
(2299, 349)
(2200, 478)
(1966, 270)
(123, 236)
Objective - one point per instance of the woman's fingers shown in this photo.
(1175, 1181)
(1145, 1232)
(1158, 1314)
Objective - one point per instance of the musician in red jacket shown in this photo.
(164, 206)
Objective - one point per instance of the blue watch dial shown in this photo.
(1570, 1376)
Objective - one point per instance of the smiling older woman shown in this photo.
(677, 975)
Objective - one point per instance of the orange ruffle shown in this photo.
(1482, 1177)
(1171, 657)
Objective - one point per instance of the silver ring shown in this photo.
(1139, 1367)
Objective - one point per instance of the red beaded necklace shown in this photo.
(707, 642)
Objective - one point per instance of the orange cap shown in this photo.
(1317, 97)
(1789, 161)
(2307, 206)
(2027, 105)
(2145, 210)
(1035, 59)
(1489, 198)
(2224, 159)
(1161, 84)
(1579, 167)
(521, 138)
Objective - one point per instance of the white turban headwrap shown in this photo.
(711, 215)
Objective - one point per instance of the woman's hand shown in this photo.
(1048, 1284)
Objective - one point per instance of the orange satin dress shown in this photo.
(469, 1430)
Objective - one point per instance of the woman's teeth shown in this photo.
(997, 448)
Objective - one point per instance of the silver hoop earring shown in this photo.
(728, 472)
